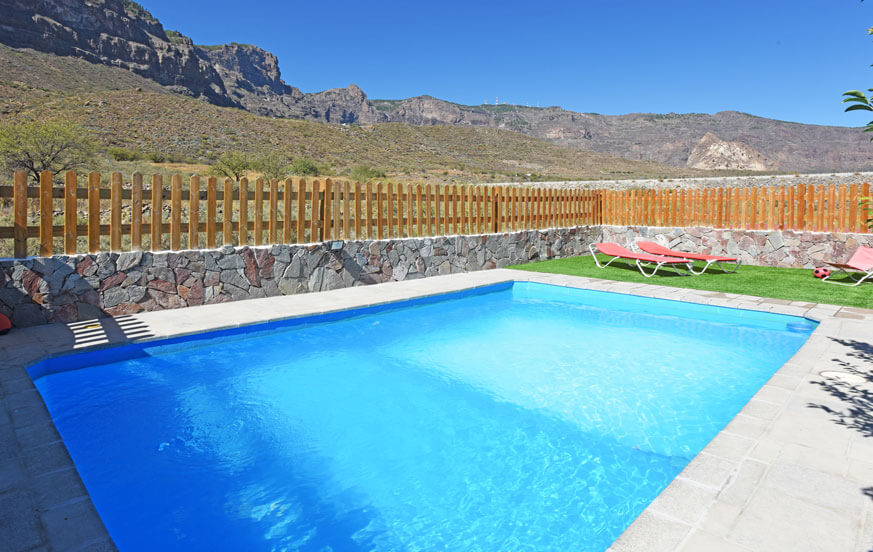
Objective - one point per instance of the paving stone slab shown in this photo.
(791, 472)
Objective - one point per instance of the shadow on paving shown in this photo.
(102, 331)
(855, 391)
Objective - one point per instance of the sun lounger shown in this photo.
(656, 249)
(639, 259)
(861, 261)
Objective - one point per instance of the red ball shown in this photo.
(5, 325)
(821, 272)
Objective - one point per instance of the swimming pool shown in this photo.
(521, 416)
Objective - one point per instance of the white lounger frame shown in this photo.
(737, 264)
(641, 264)
(853, 275)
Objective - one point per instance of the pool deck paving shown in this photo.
(792, 471)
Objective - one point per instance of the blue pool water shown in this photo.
(513, 417)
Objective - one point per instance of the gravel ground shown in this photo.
(710, 182)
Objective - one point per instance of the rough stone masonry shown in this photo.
(82, 287)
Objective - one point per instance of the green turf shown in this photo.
(793, 284)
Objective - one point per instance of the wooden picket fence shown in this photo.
(803, 207)
(87, 216)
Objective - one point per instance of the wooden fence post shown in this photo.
(45, 214)
(259, 211)
(19, 230)
(227, 225)
(71, 183)
(194, 213)
(157, 211)
(243, 223)
(176, 212)
(273, 215)
(301, 210)
(136, 212)
(211, 211)
(93, 212)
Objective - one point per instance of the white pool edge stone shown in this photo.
(765, 482)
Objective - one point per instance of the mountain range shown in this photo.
(123, 34)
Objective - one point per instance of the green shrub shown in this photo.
(156, 157)
(303, 167)
(364, 173)
(124, 154)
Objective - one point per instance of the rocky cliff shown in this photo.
(112, 32)
(712, 153)
(121, 33)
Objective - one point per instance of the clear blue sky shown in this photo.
(773, 58)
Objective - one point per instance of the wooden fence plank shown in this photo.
(336, 211)
(301, 210)
(258, 209)
(327, 210)
(136, 212)
(176, 212)
(462, 209)
(389, 205)
(155, 244)
(273, 216)
(427, 211)
(841, 205)
(314, 211)
(46, 210)
(211, 211)
(409, 211)
(819, 208)
(194, 212)
(287, 209)
(327, 219)
(115, 212)
(368, 212)
(358, 235)
(243, 222)
(347, 209)
(446, 210)
(19, 210)
(809, 203)
(380, 211)
(867, 212)
(456, 222)
(800, 207)
(71, 182)
(830, 211)
(419, 218)
(227, 227)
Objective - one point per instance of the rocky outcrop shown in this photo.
(713, 153)
(82, 287)
(112, 32)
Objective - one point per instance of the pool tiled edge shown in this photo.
(793, 471)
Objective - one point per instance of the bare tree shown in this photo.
(232, 164)
(37, 146)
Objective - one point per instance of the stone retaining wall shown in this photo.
(755, 247)
(82, 287)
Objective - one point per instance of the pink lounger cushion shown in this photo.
(615, 250)
(862, 260)
(657, 249)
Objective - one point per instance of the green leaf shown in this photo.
(862, 107)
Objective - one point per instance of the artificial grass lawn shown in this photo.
(792, 284)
